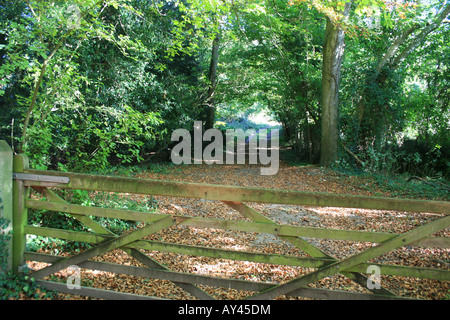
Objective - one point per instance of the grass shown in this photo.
(399, 186)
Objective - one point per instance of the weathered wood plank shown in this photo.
(93, 211)
(240, 194)
(305, 262)
(406, 271)
(94, 292)
(304, 292)
(327, 294)
(285, 230)
(68, 234)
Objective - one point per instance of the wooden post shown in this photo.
(6, 196)
(20, 213)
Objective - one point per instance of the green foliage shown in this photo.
(15, 286)
(399, 186)
(5, 239)
(108, 87)
(394, 118)
(105, 97)
(274, 63)
(102, 90)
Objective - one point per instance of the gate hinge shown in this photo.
(40, 177)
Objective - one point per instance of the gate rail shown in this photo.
(354, 267)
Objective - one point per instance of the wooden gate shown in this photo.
(354, 267)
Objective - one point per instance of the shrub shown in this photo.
(16, 286)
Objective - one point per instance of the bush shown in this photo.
(16, 286)
(424, 158)
(412, 156)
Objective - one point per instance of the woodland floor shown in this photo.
(289, 177)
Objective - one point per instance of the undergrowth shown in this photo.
(12, 285)
(403, 187)
(399, 185)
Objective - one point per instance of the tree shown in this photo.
(212, 77)
(404, 41)
(386, 89)
(333, 53)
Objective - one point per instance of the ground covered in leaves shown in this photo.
(289, 177)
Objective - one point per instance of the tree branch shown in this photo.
(23, 142)
(394, 46)
(421, 37)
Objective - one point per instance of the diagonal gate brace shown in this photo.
(329, 270)
(104, 246)
(300, 243)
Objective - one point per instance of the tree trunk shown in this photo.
(333, 53)
(212, 76)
